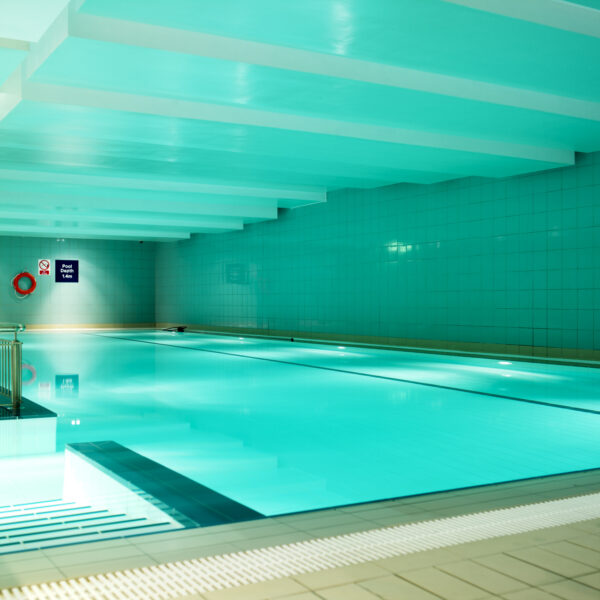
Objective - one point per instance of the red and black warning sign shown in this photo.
(44, 266)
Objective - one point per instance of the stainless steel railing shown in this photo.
(11, 369)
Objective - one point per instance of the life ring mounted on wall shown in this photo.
(17, 283)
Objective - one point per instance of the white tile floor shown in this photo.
(558, 562)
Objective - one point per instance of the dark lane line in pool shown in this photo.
(347, 372)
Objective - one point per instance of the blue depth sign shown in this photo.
(66, 271)
(67, 386)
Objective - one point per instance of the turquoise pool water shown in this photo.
(283, 427)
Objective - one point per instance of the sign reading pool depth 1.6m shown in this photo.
(66, 271)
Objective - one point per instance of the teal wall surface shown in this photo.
(493, 261)
(116, 282)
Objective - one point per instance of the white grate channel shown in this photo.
(172, 580)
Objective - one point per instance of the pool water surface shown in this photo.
(283, 427)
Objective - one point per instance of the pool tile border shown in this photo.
(235, 569)
(82, 560)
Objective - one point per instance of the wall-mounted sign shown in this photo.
(236, 273)
(66, 386)
(44, 266)
(66, 271)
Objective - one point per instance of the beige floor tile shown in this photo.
(349, 591)
(340, 576)
(262, 531)
(176, 534)
(259, 591)
(89, 546)
(286, 538)
(37, 563)
(199, 540)
(105, 566)
(179, 544)
(592, 580)
(530, 594)
(589, 526)
(444, 585)
(572, 590)
(301, 596)
(418, 560)
(483, 577)
(393, 588)
(18, 556)
(393, 521)
(190, 553)
(76, 557)
(489, 547)
(545, 536)
(587, 556)
(587, 541)
(310, 522)
(29, 578)
(552, 562)
(399, 512)
(340, 529)
(517, 569)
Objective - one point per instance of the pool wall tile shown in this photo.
(512, 264)
(116, 282)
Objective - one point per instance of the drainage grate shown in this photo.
(172, 580)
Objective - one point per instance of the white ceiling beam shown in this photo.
(29, 19)
(200, 207)
(305, 61)
(70, 149)
(166, 107)
(193, 187)
(14, 44)
(69, 231)
(38, 52)
(166, 220)
(568, 16)
(8, 101)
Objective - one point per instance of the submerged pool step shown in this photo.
(46, 524)
(8, 512)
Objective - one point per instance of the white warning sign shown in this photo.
(44, 266)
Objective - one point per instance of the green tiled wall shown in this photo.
(116, 282)
(504, 261)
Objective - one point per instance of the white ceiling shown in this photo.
(156, 119)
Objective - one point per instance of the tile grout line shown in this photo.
(172, 580)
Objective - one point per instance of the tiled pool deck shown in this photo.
(557, 562)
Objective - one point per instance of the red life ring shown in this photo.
(19, 289)
(31, 369)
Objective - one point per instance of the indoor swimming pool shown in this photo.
(282, 427)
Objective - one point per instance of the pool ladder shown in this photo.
(11, 365)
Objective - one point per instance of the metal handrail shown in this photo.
(11, 368)
(14, 328)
